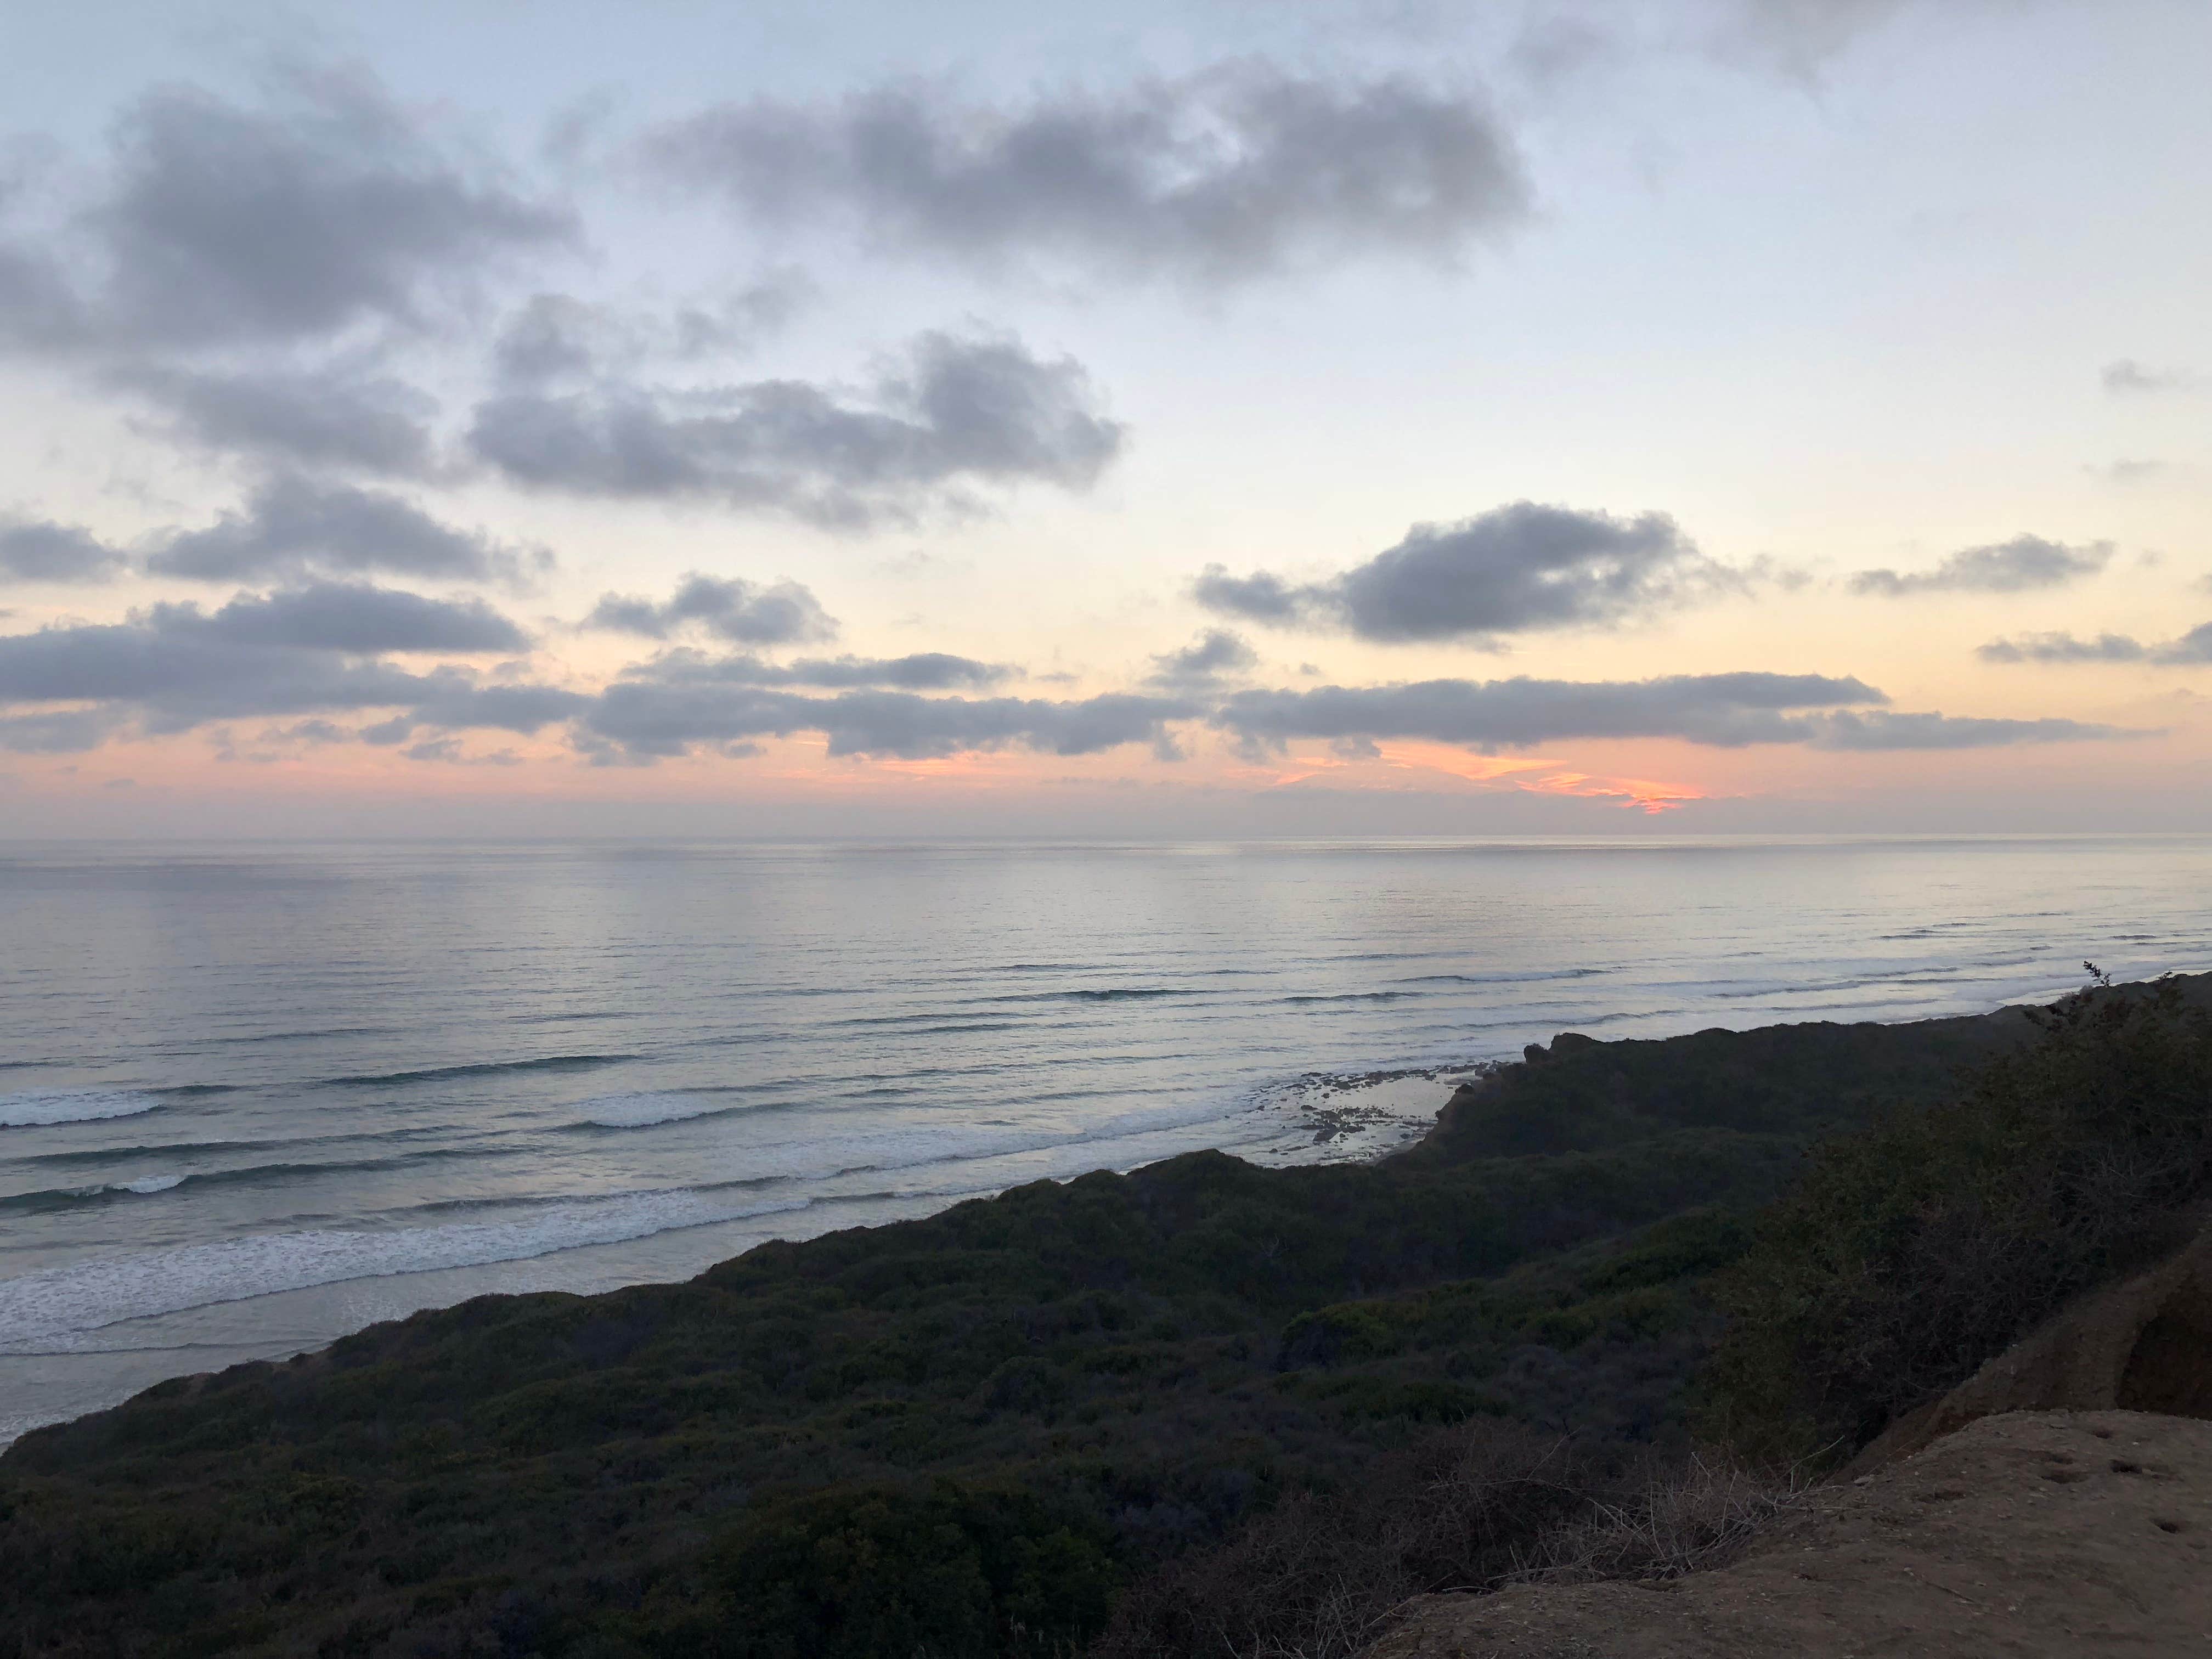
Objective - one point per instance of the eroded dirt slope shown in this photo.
(2031, 1534)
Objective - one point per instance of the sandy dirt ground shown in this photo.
(2033, 1533)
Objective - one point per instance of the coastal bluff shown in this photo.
(1202, 1407)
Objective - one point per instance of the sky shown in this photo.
(1362, 417)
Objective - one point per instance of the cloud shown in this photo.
(1514, 568)
(36, 305)
(554, 336)
(558, 337)
(296, 418)
(741, 611)
(1725, 709)
(1262, 597)
(644, 720)
(1235, 173)
(1799, 36)
(923, 670)
(223, 226)
(64, 731)
(1720, 710)
(292, 526)
(2024, 563)
(350, 618)
(1884, 729)
(173, 667)
(1214, 655)
(449, 699)
(2126, 376)
(2063, 648)
(2192, 648)
(2130, 471)
(1548, 50)
(40, 550)
(956, 412)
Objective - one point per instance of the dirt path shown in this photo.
(2035, 1534)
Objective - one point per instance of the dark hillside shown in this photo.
(1780, 1079)
(953, 1436)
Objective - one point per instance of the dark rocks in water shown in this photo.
(1566, 1043)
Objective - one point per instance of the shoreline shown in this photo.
(1375, 1116)
(1142, 1361)
(1371, 1116)
(1344, 1117)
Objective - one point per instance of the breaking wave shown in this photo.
(38, 1107)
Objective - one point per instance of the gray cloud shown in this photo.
(1517, 568)
(956, 413)
(923, 670)
(2126, 375)
(1232, 174)
(40, 550)
(448, 698)
(1725, 709)
(558, 337)
(641, 720)
(2018, 566)
(63, 732)
(1262, 597)
(2064, 647)
(741, 611)
(224, 226)
(37, 307)
(349, 617)
(180, 675)
(172, 668)
(294, 526)
(2194, 647)
(1203, 664)
(448, 751)
(1798, 36)
(1885, 729)
(554, 336)
(375, 424)
(1722, 710)
(2130, 471)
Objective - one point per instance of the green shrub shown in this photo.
(1911, 1252)
(945, 1571)
(1319, 1575)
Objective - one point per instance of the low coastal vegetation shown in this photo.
(1199, 1409)
(1909, 1254)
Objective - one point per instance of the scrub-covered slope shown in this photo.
(960, 1435)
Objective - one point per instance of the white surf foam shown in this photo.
(157, 1183)
(921, 1145)
(639, 1111)
(36, 1106)
(40, 1309)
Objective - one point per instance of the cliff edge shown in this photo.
(2057, 1502)
(2027, 1535)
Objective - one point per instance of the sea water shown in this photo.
(252, 1098)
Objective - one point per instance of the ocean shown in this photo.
(255, 1096)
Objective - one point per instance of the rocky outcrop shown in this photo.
(2034, 1535)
